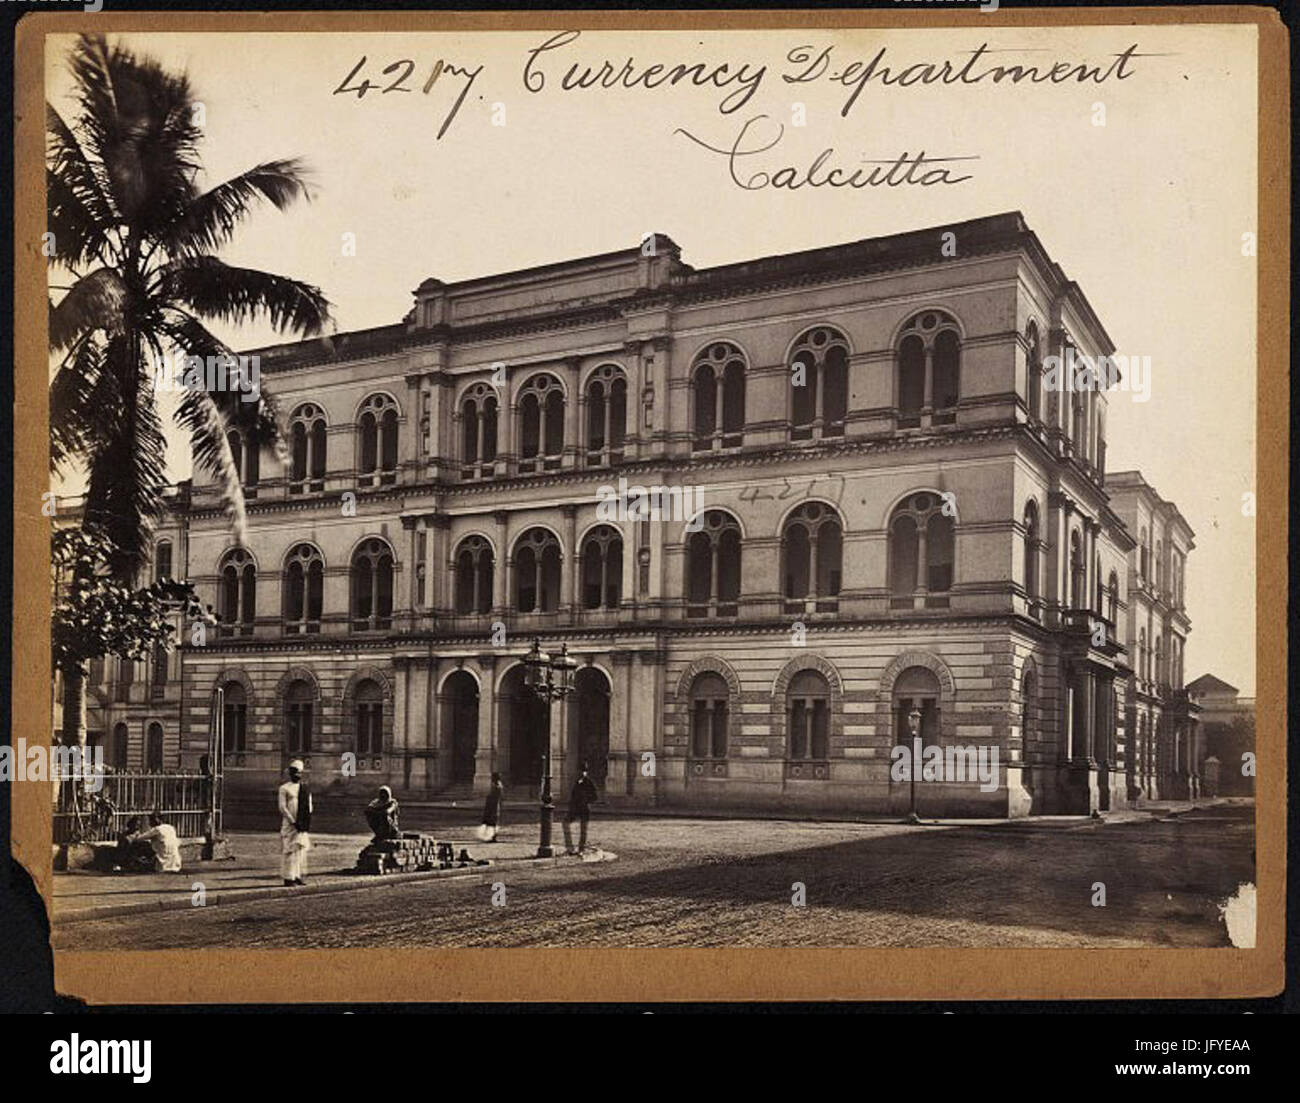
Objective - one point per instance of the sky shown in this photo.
(1145, 212)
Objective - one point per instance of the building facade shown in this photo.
(875, 512)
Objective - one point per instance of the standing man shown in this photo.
(580, 802)
(492, 810)
(295, 822)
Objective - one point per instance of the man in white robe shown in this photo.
(294, 843)
(166, 846)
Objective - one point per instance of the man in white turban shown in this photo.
(295, 822)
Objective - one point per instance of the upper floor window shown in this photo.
(304, 587)
(537, 572)
(1031, 550)
(812, 548)
(713, 567)
(1144, 566)
(1034, 372)
(929, 370)
(1074, 386)
(474, 575)
(808, 715)
(1144, 670)
(606, 397)
(1099, 601)
(709, 708)
(1112, 598)
(237, 598)
(1100, 451)
(819, 384)
(478, 426)
(921, 547)
(307, 449)
(369, 718)
(377, 430)
(162, 560)
(718, 395)
(246, 454)
(1160, 566)
(541, 424)
(372, 586)
(1078, 574)
(602, 568)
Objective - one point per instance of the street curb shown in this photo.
(273, 892)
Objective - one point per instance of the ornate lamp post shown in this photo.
(914, 723)
(551, 678)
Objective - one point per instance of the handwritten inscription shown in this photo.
(401, 71)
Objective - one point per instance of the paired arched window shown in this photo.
(1034, 372)
(153, 748)
(475, 567)
(304, 589)
(916, 706)
(372, 586)
(298, 718)
(929, 370)
(602, 568)
(237, 598)
(247, 457)
(718, 397)
(541, 424)
(709, 708)
(537, 572)
(921, 548)
(808, 715)
(478, 426)
(1031, 554)
(819, 384)
(369, 715)
(234, 712)
(713, 567)
(606, 397)
(377, 443)
(812, 549)
(307, 449)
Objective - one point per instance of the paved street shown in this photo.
(680, 882)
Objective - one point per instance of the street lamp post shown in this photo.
(550, 678)
(914, 723)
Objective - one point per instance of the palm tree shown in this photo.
(140, 237)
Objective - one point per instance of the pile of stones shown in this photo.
(410, 852)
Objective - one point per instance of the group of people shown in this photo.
(151, 849)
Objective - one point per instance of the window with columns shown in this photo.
(247, 456)
(234, 709)
(1034, 372)
(709, 707)
(602, 568)
(718, 397)
(1032, 537)
(921, 547)
(369, 716)
(537, 569)
(307, 449)
(372, 587)
(479, 409)
(475, 569)
(713, 567)
(819, 384)
(929, 370)
(808, 716)
(812, 547)
(304, 589)
(606, 400)
(541, 424)
(237, 596)
(377, 441)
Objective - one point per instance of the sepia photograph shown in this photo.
(580, 484)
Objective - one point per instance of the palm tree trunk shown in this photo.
(73, 733)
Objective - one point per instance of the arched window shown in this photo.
(718, 397)
(541, 424)
(812, 547)
(121, 746)
(1031, 555)
(307, 449)
(234, 710)
(819, 384)
(237, 599)
(1160, 566)
(1099, 602)
(1112, 598)
(713, 567)
(606, 397)
(1144, 566)
(709, 707)
(916, 704)
(478, 425)
(304, 589)
(602, 568)
(153, 749)
(377, 440)
(162, 560)
(475, 567)
(808, 715)
(1074, 384)
(537, 572)
(1034, 373)
(298, 706)
(920, 553)
(247, 456)
(1028, 712)
(929, 370)
(372, 587)
(369, 708)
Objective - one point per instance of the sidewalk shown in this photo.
(254, 874)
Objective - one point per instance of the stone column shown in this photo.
(572, 427)
(501, 571)
(487, 754)
(569, 587)
(622, 763)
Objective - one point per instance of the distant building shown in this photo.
(1228, 723)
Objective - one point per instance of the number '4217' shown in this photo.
(400, 72)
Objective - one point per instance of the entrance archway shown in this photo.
(589, 723)
(524, 724)
(460, 721)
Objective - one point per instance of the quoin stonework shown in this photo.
(900, 525)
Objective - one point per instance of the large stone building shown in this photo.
(898, 520)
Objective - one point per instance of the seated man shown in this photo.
(381, 815)
(166, 846)
(132, 855)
